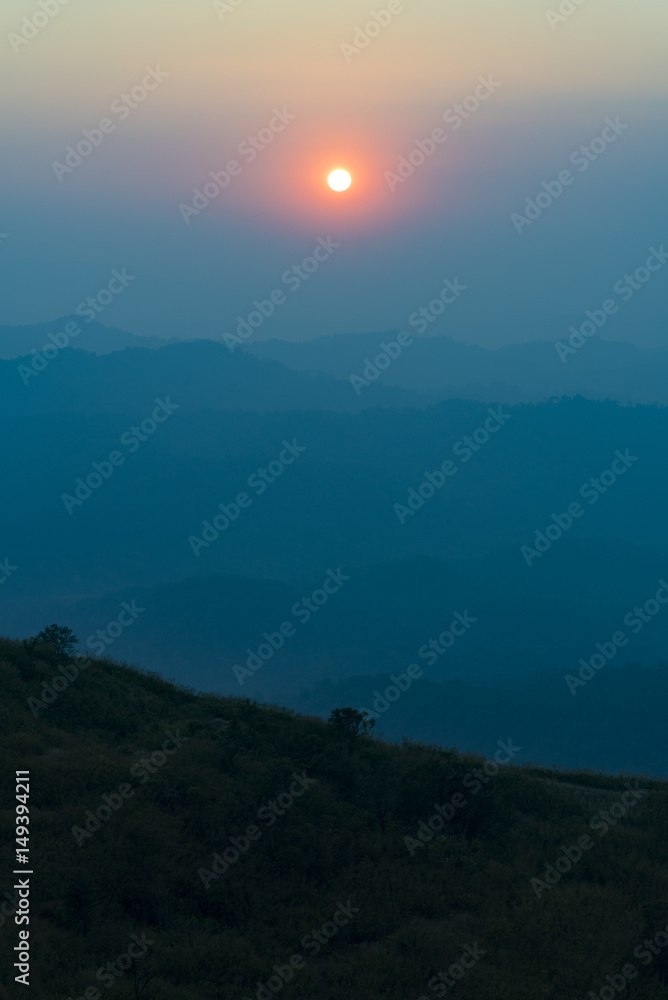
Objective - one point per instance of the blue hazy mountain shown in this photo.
(353, 491)
(612, 724)
(93, 337)
(517, 671)
(200, 374)
(434, 366)
(530, 371)
(218, 490)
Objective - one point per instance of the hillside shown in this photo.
(329, 889)
(204, 631)
(559, 719)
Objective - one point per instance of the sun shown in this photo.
(339, 180)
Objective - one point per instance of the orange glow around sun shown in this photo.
(326, 175)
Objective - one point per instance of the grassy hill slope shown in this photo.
(329, 891)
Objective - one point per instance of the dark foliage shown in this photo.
(60, 637)
(153, 862)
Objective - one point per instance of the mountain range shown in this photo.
(218, 490)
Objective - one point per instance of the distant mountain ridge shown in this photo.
(367, 494)
(553, 728)
(528, 372)
(199, 374)
(95, 338)
(383, 618)
(343, 493)
(428, 368)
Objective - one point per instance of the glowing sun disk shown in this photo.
(339, 180)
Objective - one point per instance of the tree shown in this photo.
(60, 637)
(351, 723)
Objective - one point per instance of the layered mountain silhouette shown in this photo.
(218, 490)
(434, 366)
(353, 491)
(598, 369)
(202, 374)
(94, 337)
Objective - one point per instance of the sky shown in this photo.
(272, 96)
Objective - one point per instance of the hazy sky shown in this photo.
(224, 72)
